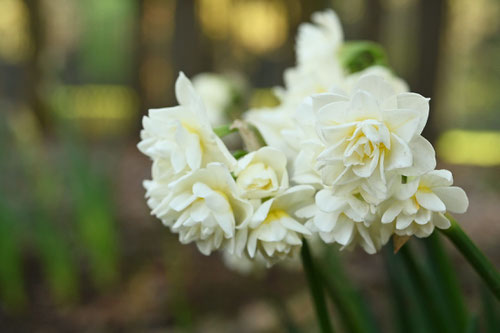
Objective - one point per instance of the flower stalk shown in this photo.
(316, 289)
(474, 256)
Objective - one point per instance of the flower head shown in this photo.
(346, 219)
(182, 135)
(204, 207)
(418, 206)
(262, 173)
(373, 132)
(275, 231)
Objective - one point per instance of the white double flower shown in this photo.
(182, 135)
(418, 206)
(262, 173)
(204, 207)
(371, 133)
(275, 230)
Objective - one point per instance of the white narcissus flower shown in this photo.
(317, 70)
(418, 206)
(217, 94)
(204, 207)
(373, 132)
(182, 135)
(346, 219)
(262, 173)
(271, 122)
(318, 66)
(398, 84)
(275, 231)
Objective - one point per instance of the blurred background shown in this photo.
(79, 251)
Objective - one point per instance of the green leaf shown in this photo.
(224, 130)
(93, 212)
(352, 308)
(446, 284)
(314, 281)
(58, 264)
(426, 292)
(12, 290)
(408, 307)
(474, 255)
(358, 55)
(239, 153)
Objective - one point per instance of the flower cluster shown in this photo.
(345, 160)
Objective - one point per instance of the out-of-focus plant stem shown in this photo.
(422, 283)
(446, 282)
(353, 312)
(316, 289)
(474, 256)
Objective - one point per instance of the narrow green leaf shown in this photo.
(409, 310)
(352, 308)
(474, 256)
(490, 311)
(421, 281)
(316, 288)
(12, 290)
(446, 283)
(94, 215)
(58, 264)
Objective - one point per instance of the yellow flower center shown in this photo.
(274, 215)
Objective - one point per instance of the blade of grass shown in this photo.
(446, 282)
(316, 289)
(12, 290)
(92, 209)
(490, 311)
(408, 308)
(422, 283)
(353, 311)
(57, 263)
(474, 256)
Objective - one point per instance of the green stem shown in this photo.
(474, 256)
(427, 296)
(316, 289)
(353, 312)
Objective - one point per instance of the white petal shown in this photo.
(391, 213)
(403, 123)
(403, 221)
(430, 201)
(294, 225)
(226, 222)
(399, 156)
(181, 201)
(440, 221)
(415, 102)
(454, 198)
(343, 230)
(424, 157)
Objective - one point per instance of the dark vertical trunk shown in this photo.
(372, 20)
(35, 81)
(432, 23)
(138, 50)
(191, 52)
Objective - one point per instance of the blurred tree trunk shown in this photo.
(191, 51)
(433, 17)
(35, 81)
(138, 48)
(371, 24)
